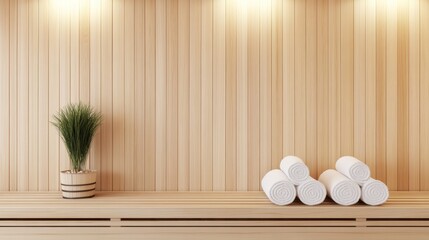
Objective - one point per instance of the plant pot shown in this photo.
(78, 185)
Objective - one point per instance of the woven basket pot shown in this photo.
(78, 185)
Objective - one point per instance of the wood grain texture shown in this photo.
(210, 95)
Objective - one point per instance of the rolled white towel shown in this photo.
(341, 189)
(311, 192)
(353, 169)
(374, 192)
(278, 188)
(295, 169)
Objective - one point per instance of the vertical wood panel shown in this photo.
(300, 80)
(334, 21)
(242, 102)
(207, 96)
(95, 83)
(4, 96)
(391, 96)
(43, 96)
(402, 95)
(424, 95)
(13, 96)
(346, 84)
(253, 108)
(140, 93)
(64, 74)
(311, 86)
(288, 77)
(219, 95)
(172, 123)
(54, 97)
(414, 95)
(22, 97)
(231, 96)
(265, 87)
(161, 94)
(381, 91)
(118, 95)
(150, 120)
(183, 96)
(370, 86)
(322, 87)
(106, 95)
(129, 77)
(359, 79)
(210, 95)
(276, 82)
(195, 96)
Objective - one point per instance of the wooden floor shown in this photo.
(222, 215)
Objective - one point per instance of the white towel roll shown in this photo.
(295, 169)
(278, 188)
(353, 169)
(341, 189)
(374, 192)
(311, 192)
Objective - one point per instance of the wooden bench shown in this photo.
(188, 215)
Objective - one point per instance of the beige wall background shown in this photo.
(208, 95)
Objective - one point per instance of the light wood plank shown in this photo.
(4, 95)
(84, 53)
(391, 96)
(300, 81)
(183, 96)
(414, 95)
(95, 82)
(334, 100)
(195, 96)
(54, 97)
(402, 94)
(172, 94)
(231, 96)
(253, 108)
(64, 74)
(311, 86)
(322, 87)
(346, 84)
(359, 85)
(424, 94)
(265, 87)
(277, 82)
(33, 94)
(44, 117)
(129, 117)
(139, 96)
(370, 86)
(74, 10)
(161, 94)
(242, 86)
(22, 97)
(288, 77)
(84, 57)
(219, 95)
(207, 96)
(118, 96)
(380, 153)
(150, 120)
(13, 96)
(106, 95)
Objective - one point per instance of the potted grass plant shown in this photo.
(77, 124)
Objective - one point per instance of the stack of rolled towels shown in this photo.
(347, 184)
(352, 181)
(293, 178)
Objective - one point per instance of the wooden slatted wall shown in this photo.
(210, 94)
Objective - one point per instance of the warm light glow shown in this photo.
(66, 6)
